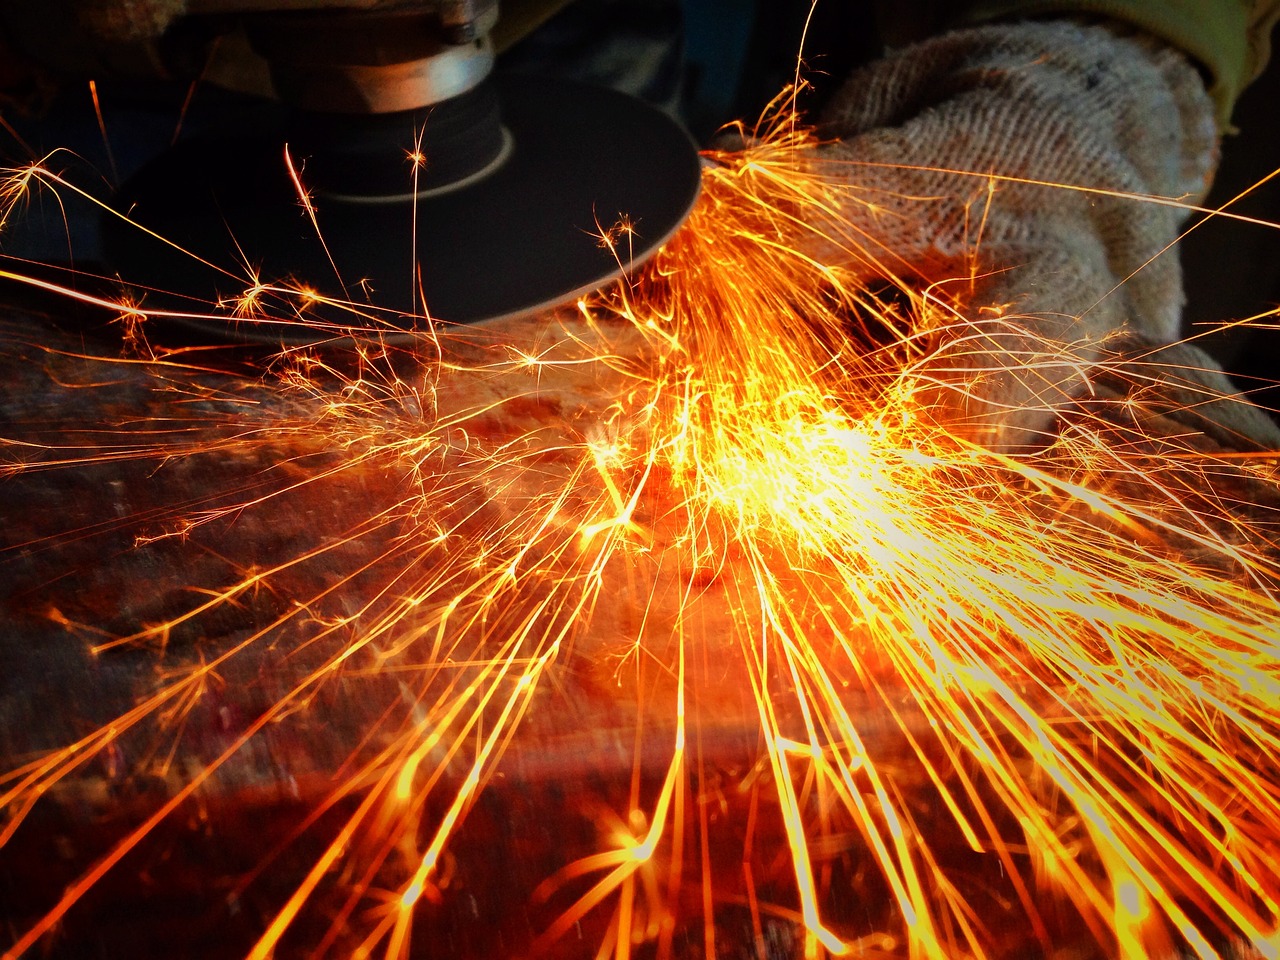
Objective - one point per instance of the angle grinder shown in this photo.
(404, 176)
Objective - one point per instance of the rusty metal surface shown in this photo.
(85, 560)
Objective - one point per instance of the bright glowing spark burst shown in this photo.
(992, 705)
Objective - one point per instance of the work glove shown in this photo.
(962, 154)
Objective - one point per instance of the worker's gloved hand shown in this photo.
(1058, 103)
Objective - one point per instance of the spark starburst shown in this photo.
(700, 564)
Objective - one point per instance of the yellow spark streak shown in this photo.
(631, 855)
(399, 943)
(102, 129)
(304, 197)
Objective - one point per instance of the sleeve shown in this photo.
(1230, 39)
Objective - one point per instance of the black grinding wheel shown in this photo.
(522, 238)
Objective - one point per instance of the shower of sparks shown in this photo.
(997, 703)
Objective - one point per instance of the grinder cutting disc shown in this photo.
(521, 237)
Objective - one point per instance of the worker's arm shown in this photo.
(1012, 165)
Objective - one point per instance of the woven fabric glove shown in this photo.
(1060, 103)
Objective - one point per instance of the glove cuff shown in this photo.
(1229, 40)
